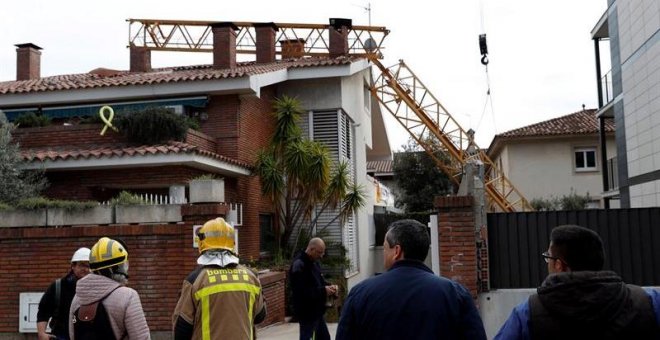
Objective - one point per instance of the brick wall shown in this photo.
(458, 241)
(161, 256)
(102, 185)
(273, 285)
(72, 135)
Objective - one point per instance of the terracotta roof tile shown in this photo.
(578, 123)
(97, 79)
(115, 150)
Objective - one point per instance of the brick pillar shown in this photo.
(265, 41)
(28, 61)
(458, 241)
(224, 45)
(293, 48)
(200, 213)
(140, 59)
(339, 36)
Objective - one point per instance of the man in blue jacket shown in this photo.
(578, 300)
(409, 301)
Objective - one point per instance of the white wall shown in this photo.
(545, 168)
(496, 306)
(348, 94)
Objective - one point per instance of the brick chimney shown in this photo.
(224, 45)
(339, 36)
(28, 61)
(293, 48)
(140, 59)
(265, 41)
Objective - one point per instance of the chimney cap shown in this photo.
(28, 45)
(222, 24)
(266, 24)
(338, 23)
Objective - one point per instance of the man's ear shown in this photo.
(398, 252)
(560, 266)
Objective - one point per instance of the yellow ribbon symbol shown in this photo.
(107, 121)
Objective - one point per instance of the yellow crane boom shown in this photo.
(397, 88)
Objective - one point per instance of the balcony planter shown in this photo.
(163, 213)
(96, 215)
(207, 190)
(23, 218)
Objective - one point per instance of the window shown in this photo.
(267, 234)
(585, 159)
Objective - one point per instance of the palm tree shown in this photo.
(301, 180)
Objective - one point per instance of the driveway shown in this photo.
(287, 331)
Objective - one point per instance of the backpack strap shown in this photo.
(58, 293)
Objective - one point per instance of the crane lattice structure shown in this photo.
(397, 88)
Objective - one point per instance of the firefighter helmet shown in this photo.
(107, 253)
(216, 234)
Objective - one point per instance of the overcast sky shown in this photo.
(542, 62)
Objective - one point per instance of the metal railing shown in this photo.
(612, 174)
(606, 87)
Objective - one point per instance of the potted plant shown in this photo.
(207, 189)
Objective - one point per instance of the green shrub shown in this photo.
(5, 207)
(126, 198)
(153, 125)
(43, 202)
(15, 182)
(572, 201)
(31, 119)
(205, 177)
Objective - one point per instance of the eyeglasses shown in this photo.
(547, 257)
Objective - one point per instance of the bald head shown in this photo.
(315, 248)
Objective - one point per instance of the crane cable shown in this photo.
(483, 49)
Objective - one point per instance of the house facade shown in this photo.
(555, 157)
(629, 94)
(233, 103)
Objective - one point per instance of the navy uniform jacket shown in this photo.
(409, 302)
(307, 287)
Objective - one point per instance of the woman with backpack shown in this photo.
(104, 308)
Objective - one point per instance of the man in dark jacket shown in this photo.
(310, 291)
(578, 300)
(409, 301)
(56, 300)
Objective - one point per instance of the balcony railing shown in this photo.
(612, 174)
(606, 87)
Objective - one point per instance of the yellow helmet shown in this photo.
(216, 234)
(107, 253)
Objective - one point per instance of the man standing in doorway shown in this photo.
(310, 291)
(55, 303)
(409, 301)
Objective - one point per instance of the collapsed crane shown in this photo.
(397, 88)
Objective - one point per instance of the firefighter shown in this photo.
(221, 299)
(118, 310)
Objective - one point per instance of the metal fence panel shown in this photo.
(516, 240)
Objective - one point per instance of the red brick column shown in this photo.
(458, 240)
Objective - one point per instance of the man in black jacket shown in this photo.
(580, 300)
(55, 303)
(310, 291)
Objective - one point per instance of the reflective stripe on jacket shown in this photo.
(220, 303)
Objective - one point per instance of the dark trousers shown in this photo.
(315, 329)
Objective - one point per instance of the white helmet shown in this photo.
(81, 254)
